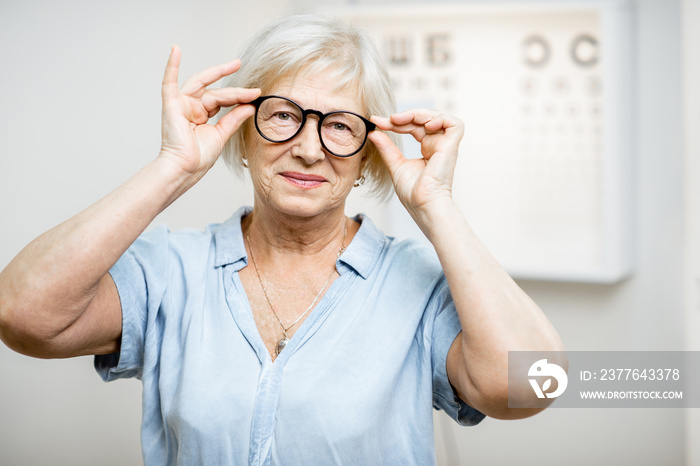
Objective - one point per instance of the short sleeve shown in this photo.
(139, 276)
(445, 328)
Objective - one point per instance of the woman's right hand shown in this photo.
(187, 139)
(57, 298)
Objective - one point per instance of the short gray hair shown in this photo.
(313, 43)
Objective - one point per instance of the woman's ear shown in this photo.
(363, 162)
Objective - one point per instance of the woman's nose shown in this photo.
(307, 144)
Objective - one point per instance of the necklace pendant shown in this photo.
(281, 344)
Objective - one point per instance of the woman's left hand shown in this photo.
(421, 182)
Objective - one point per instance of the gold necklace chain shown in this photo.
(285, 339)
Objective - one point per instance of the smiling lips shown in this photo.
(303, 180)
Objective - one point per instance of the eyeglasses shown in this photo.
(341, 133)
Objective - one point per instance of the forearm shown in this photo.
(495, 314)
(51, 282)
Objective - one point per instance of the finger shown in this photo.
(418, 116)
(417, 131)
(411, 119)
(382, 123)
(390, 154)
(170, 77)
(199, 81)
(444, 122)
(229, 123)
(402, 118)
(214, 99)
(437, 123)
(434, 122)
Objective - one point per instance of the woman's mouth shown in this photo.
(303, 180)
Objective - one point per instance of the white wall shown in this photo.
(80, 97)
(691, 140)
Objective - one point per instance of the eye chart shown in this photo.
(544, 89)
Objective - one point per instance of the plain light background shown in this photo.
(79, 89)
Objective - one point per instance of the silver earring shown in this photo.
(243, 162)
(360, 181)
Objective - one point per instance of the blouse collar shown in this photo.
(361, 255)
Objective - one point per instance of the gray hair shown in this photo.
(308, 43)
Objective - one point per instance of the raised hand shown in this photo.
(421, 182)
(187, 138)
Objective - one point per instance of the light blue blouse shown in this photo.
(355, 385)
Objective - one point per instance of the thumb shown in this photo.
(391, 155)
(229, 123)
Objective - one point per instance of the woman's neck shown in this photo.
(274, 233)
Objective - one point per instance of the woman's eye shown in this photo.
(340, 127)
(283, 116)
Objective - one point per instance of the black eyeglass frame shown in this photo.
(321, 116)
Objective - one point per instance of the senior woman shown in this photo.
(289, 334)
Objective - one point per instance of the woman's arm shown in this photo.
(56, 296)
(495, 314)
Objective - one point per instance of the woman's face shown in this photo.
(299, 177)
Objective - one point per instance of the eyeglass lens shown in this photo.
(279, 120)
